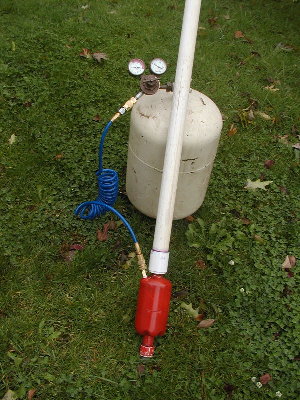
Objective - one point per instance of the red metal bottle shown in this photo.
(152, 311)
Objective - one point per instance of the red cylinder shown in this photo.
(152, 311)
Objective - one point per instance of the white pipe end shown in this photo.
(158, 263)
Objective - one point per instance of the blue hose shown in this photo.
(108, 184)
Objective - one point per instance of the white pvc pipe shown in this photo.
(160, 253)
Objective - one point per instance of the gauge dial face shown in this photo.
(158, 66)
(136, 66)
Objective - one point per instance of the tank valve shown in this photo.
(149, 84)
(152, 311)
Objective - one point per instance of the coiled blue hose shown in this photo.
(108, 184)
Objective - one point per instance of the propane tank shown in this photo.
(152, 311)
(146, 148)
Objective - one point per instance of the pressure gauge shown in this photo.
(158, 66)
(136, 66)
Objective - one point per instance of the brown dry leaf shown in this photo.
(201, 265)
(96, 118)
(206, 323)
(245, 221)
(190, 218)
(100, 56)
(259, 239)
(199, 317)
(232, 130)
(68, 251)
(141, 369)
(238, 34)
(213, 22)
(269, 163)
(271, 88)
(103, 235)
(112, 225)
(264, 379)
(58, 156)
(283, 189)
(86, 53)
(180, 294)
(31, 393)
(284, 139)
(285, 47)
(289, 262)
(263, 115)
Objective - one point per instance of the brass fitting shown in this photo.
(141, 260)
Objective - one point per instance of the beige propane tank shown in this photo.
(146, 148)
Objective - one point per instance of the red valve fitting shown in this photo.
(152, 311)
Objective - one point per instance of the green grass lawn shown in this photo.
(67, 326)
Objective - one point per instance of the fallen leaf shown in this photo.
(245, 221)
(200, 317)
(232, 130)
(190, 218)
(229, 389)
(206, 323)
(289, 262)
(285, 47)
(96, 118)
(68, 251)
(227, 17)
(269, 163)
(296, 146)
(13, 46)
(179, 294)
(191, 311)
(213, 22)
(238, 34)
(103, 235)
(259, 239)
(113, 225)
(76, 246)
(251, 116)
(31, 393)
(58, 156)
(283, 189)
(258, 184)
(284, 139)
(85, 7)
(99, 56)
(201, 265)
(271, 88)
(9, 395)
(12, 139)
(86, 53)
(263, 115)
(140, 369)
(264, 379)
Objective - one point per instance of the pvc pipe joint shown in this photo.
(158, 263)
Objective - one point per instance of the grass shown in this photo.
(66, 328)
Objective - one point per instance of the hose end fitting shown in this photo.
(147, 348)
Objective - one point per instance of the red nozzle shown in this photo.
(147, 348)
